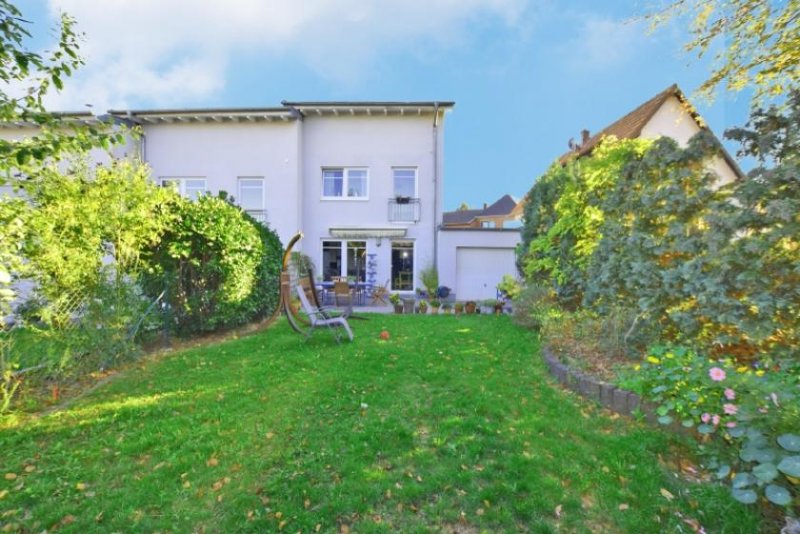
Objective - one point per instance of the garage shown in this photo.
(480, 269)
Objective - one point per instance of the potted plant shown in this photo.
(470, 306)
(435, 303)
(402, 200)
(408, 304)
(493, 305)
(459, 308)
(423, 306)
(447, 308)
(394, 298)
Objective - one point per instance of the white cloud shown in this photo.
(602, 42)
(165, 52)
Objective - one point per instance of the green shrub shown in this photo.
(219, 266)
(751, 414)
(430, 280)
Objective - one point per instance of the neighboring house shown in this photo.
(505, 212)
(361, 180)
(669, 114)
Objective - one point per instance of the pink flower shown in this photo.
(731, 424)
(706, 417)
(715, 419)
(716, 374)
(730, 409)
(730, 394)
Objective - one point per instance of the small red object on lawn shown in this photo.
(385, 335)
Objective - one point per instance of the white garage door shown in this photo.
(479, 270)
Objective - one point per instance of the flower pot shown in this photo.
(398, 308)
(408, 305)
(434, 310)
(470, 307)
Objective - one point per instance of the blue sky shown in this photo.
(526, 75)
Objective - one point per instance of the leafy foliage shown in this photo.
(220, 267)
(752, 413)
(652, 230)
(429, 277)
(761, 40)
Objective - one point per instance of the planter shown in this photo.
(458, 309)
(434, 310)
(498, 309)
(470, 307)
(408, 305)
(398, 308)
(423, 307)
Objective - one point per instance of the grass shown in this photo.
(450, 425)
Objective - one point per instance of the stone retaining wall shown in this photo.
(615, 399)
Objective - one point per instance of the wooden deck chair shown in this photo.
(342, 291)
(380, 294)
(318, 318)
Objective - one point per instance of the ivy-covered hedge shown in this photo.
(220, 267)
(643, 225)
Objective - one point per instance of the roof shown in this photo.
(153, 116)
(369, 108)
(501, 207)
(68, 117)
(630, 126)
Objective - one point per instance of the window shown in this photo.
(191, 188)
(405, 182)
(345, 183)
(354, 255)
(402, 265)
(405, 206)
(488, 224)
(251, 196)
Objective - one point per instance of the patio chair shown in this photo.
(320, 317)
(342, 291)
(380, 294)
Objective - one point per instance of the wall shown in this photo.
(377, 143)
(672, 120)
(221, 152)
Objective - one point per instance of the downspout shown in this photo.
(436, 185)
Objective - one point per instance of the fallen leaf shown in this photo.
(479, 511)
(667, 495)
(80, 486)
(212, 462)
(318, 527)
(30, 468)
(282, 524)
(10, 476)
(278, 515)
(68, 519)
(623, 507)
(217, 485)
(558, 512)
(270, 435)
(187, 484)
(98, 518)
(306, 504)
(3, 494)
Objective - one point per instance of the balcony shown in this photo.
(259, 215)
(404, 209)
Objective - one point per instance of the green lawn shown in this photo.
(460, 430)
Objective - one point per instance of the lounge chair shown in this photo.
(320, 317)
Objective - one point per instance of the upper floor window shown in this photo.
(488, 224)
(405, 182)
(345, 183)
(251, 196)
(191, 188)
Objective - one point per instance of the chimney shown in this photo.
(584, 136)
(485, 205)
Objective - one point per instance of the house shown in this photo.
(361, 180)
(669, 114)
(506, 211)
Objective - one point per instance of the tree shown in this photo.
(761, 40)
(37, 74)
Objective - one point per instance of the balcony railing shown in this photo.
(259, 215)
(404, 209)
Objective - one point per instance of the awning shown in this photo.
(363, 233)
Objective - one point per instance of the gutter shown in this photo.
(435, 185)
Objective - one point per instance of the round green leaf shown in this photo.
(765, 472)
(724, 471)
(742, 480)
(750, 454)
(705, 429)
(790, 442)
(737, 432)
(790, 466)
(744, 496)
(665, 419)
(778, 495)
(687, 423)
